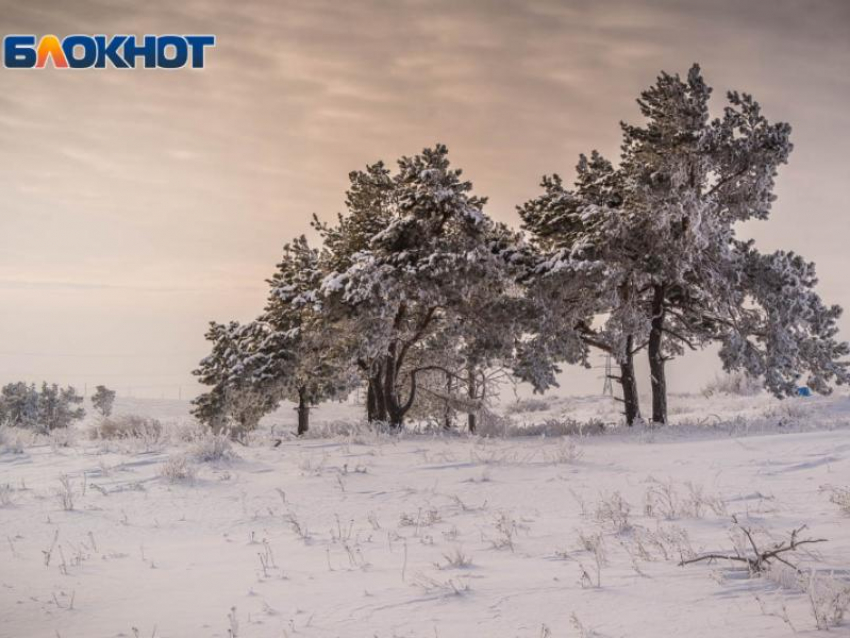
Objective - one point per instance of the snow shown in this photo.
(381, 516)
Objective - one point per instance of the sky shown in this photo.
(136, 206)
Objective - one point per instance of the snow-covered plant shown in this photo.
(532, 404)
(62, 438)
(829, 598)
(177, 468)
(652, 241)
(52, 407)
(19, 405)
(429, 291)
(565, 452)
(66, 494)
(581, 628)
(302, 355)
(840, 496)
(127, 426)
(780, 329)
(286, 353)
(578, 274)
(57, 407)
(6, 492)
(737, 383)
(663, 500)
(449, 587)
(212, 447)
(103, 399)
(456, 559)
(14, 439)
(236, 402)
(613, 510)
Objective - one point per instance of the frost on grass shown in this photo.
(839, 496)
(212, 447)
(177, 469)
(415, 534)
(127, 426)
(663, 499)
(778, 561)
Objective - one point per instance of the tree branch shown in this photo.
(760, 560)
(681, 338)
(420, 330)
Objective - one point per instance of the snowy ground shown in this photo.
(440, 536)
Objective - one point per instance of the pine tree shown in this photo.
(103, 399)
(421, 277)
(304, 357)
(19, 405)
(56, 407)
(285, 354)
(237, 400)
(653, 241)
(781, 329)
(582, 270)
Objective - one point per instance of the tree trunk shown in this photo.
(447, 414)
(629, 382)
(371, 402)
(379, 403)
(656, 357)
(395, 412)
(303, 412)
(470, 381)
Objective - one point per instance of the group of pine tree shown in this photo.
(49, 408)
(416, 295)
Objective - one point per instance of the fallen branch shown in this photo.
(760, 560)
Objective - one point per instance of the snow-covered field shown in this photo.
(368, 534)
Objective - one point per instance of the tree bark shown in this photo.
(371, 402)
(627, 378)
(470, 381)
(447, 414)
(380, 404)
(395, 412)
(629, 383)
(656, 357)
(303, 412)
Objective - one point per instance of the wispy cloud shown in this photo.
(114, 178)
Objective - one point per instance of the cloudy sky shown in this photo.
(135, 206)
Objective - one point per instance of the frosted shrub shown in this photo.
(12, 439)
(614, 511)
(127, 426)
(6, 495)
(786, 413)
(534, 404)
(506, 531)
(662, 500)
(563, 426)
(565, 452)
(354, 429)
(736, 383)
(450, 587)
(829, 598)
(492, 424)
(62, 438)
(212, 447)
(187, 431)
(457, 559)
(66, 494)
(178, 469)
(840, 496)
